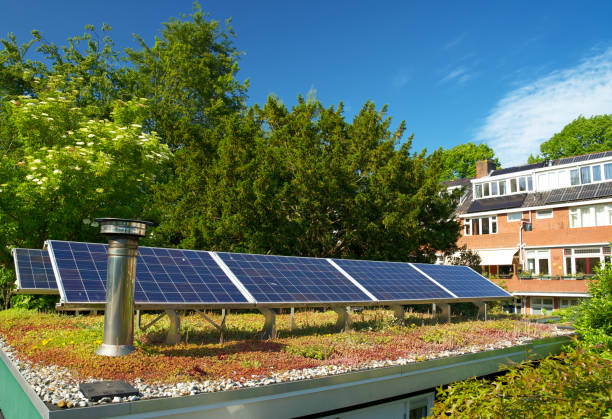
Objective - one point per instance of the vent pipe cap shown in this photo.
(124, 226)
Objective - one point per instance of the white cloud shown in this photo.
(459, 74)
(531, 114)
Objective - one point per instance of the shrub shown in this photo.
(573, 384)
(593, 316)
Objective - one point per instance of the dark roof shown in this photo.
(556, 162)
(499, 202)
(457, 182)
(536, 199)
(517, 168)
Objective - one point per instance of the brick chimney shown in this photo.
(484, 167)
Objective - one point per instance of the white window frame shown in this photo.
(599, 253)
(492, 220)
(580, 212)
(537, 255)
(513, 213)
(541, 305)
(542, 214)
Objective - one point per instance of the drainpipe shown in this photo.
(123, 238)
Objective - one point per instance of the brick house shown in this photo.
(541, 228)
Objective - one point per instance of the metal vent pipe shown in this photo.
(123, 238)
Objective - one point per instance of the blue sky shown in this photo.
(509, 74)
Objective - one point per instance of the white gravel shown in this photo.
(56, 385)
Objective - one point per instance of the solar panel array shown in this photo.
(461, 281)
(392, 280)
(175, 277)
(287, 279)
(34, 270)
(162, 275)
(590, 191)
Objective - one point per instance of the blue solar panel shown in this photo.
(286, 279)
(462, 281)
(163, 276)
(34, 270)
(392, 280)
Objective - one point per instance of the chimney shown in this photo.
(123, 238)
(484, 167)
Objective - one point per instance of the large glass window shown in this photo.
(574, 177)
(484, 225)
(538, 261)
(596, 173)
(585, 174)
(590, 216)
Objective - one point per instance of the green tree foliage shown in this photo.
(306, 182)
(593, 316)
(460, 161)
(581, 136)
(466, 257)
(189, 77)
(59, 169)
(575, 384)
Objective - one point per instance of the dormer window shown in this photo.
(500, 187)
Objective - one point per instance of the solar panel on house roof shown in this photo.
(34, 271)
(501, 202)
(287, 279)
(163, 276)
(392, 280)
(462, 281)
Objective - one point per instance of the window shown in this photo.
(608, 171)
(522, 184)
(502, 187)
(515, 216)
(574, 177)
(513, 185)
(484, 225)
(585, 174)
(530, 183)
(485, 190)
(568, 302)
(540, 304)
(494, 188)
(596, 173)
(538, 261)
(478, 191)
(591, 216)
(544, 214)
(584, 260)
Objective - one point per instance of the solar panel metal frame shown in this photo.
(398, 301)
(284, 304)
(65, 304)
(469, 298)
(20, 289)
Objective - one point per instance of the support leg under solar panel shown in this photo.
(482, 310)
(174, 331)
(269, 329)
(445, 315)
(398, 312)
(220, 327)
(292, 320)
(344, 319)
(138, 319)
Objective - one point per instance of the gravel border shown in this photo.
(55, 385)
